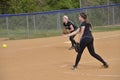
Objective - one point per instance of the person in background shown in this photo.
(68, 25)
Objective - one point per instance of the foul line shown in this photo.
(65, 65)
(68, 42)
(99, 75)
(108, 36)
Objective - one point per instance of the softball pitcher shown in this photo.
(85, 40)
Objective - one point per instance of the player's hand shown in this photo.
(65, 31)
(68, 31)
(65, 35)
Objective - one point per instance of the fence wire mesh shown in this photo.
(30, 25)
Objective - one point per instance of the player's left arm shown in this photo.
(73, 33)
(79, 30)
(71, 28)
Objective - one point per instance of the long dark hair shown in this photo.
(84, 16)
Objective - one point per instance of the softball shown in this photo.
(4, 45)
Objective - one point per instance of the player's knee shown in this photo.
(79, 54)
(93, 54)
(80, 51)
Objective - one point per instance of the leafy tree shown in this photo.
(4, 6)
(25, 6)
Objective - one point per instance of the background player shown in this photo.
(86, 40)
(68, 25)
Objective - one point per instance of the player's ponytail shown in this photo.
(84, 16)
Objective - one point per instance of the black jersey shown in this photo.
(67, 25)
(87, 32)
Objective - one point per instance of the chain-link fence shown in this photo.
(30, 25)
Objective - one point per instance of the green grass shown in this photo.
(22, 33)
(107, 28)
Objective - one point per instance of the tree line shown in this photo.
(27, 6)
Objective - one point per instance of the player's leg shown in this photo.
(71, 38)
(90, 47)
(78, 57)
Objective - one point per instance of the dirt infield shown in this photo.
(50, 59)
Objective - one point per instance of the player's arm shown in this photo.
(71, 28)
(73, 33)
(81, 30)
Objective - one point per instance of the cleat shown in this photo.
(106, 65)
(71, 48)
(74, 67)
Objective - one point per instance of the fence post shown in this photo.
(27, 27)
(113, 10)
(108, 12)
(34, 22)
(58, 21)
(7, 27)
(108, 16)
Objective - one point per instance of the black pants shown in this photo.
(87, 42)
(71, 38)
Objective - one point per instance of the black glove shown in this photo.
(77, 47)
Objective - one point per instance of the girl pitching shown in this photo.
(86, 40)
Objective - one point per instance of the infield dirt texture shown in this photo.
(50, 59)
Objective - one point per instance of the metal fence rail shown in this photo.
(29, 25)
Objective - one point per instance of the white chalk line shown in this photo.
(116, 59)
(102, 75)
(108, 36)
(109, 75)
(63, 66)
(93, 75)
(104, 37)
(67, 42)
(66, 65)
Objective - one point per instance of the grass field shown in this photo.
(107, 28)
(24, 34)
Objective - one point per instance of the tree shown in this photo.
(26, 6)
(22, 6)
(4, 6)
